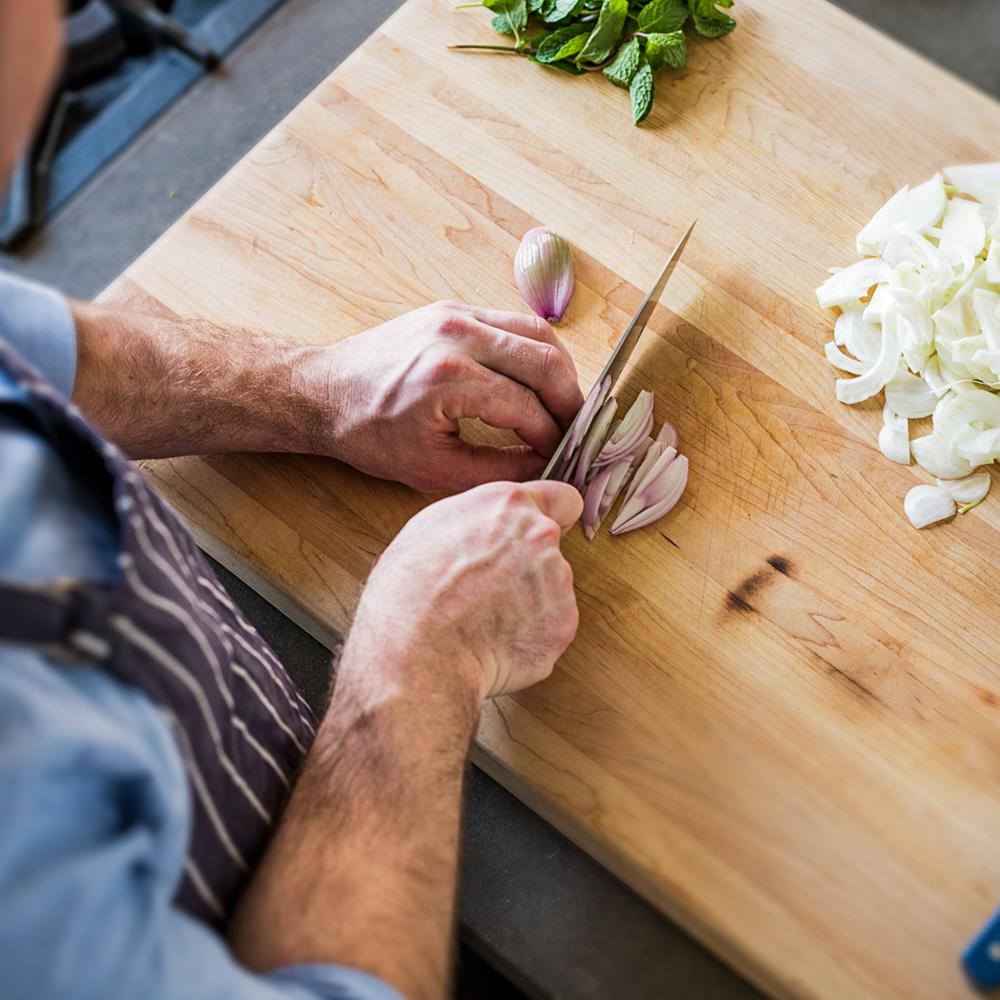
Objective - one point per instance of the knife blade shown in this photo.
(620, 355)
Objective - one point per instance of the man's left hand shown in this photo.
(391, 398)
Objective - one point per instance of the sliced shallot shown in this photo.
(601, 494)
(655, 497)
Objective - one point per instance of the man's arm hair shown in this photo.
(160, 387)
(363, 869)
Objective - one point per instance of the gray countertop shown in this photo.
(539, 909)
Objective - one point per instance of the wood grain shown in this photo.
(779, 721)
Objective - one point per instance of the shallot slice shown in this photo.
(658, 496)
(593, 442)
(644, 489)
(594, 401)
(633, 429)
(668, 435)
(601, 494)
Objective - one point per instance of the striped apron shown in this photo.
(166, 626)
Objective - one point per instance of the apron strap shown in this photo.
(63, 619)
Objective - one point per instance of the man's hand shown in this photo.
(472, 599)
(387, 401)
(473, 592)
(391, 398)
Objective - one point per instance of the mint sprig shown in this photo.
(629, 40)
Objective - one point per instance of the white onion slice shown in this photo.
(838, 359)
(862, 339)
(909, 396)
(920, 319)
(929, 455)
(926, 505)
(969, 490)
(915, 210)
(894, 438)
(963, 233)
(854, 390)
(993, 258)
(981, 180)
(851, 284)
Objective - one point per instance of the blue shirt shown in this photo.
(85, 892)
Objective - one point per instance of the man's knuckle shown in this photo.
(445, 367)
(544, 530)
(550, 362)
(513, 495)
(526, 404)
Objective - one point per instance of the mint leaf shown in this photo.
(559, 10)
(502, 25)
(666, 49)
(641, 92)
(608, 30)
(535, 6)
(625, 64)
(563, 43)
(514, 12)
(709, 21)
(562, 65)
(663, 16)
(713, 27)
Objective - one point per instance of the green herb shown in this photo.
(709, 21)
(607, 32)
(629, 40)
(641, 92)
(563, 43)
(626, 64)
(666, 49)
(554, 11)
(663, 16)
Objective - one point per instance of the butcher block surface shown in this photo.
(780, 720)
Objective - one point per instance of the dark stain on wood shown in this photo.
(670, 540)
(987, 697)
(737, 603)
(739, 599)
(781, 564)
(866, 693)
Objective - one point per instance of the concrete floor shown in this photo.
(553, 920)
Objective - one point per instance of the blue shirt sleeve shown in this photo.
(38, 323)
(92, 844)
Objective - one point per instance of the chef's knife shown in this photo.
(620, 355)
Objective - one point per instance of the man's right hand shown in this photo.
(473, 597)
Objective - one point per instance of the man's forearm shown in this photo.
(158, 387)
(363, 869)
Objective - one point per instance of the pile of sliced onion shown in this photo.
(620, 458)
(919, 320)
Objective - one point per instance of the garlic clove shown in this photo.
(926, 505)
(543, 273)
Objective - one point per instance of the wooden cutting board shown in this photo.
(780, 721)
